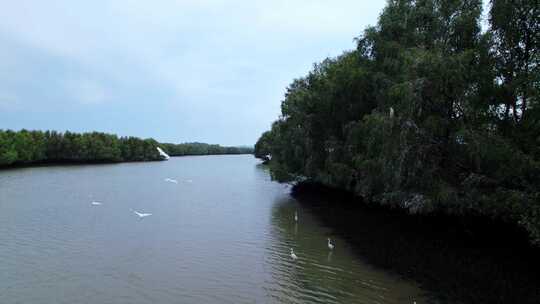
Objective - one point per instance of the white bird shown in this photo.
(141, 215)
(162, 153)
(296, 216)
(391, 112)
(96, 203)
(293, 256)
(330, 245)
(170, 180)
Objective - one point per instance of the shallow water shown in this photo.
(222, 234)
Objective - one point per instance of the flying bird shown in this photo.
(141, 215)
(162, 153)
(95, 203)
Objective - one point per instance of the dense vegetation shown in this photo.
(25, 147)
(202, 149)
(429, 113)
(29, 147)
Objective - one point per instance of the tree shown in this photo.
(464, 133)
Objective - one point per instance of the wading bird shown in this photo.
(330, 245)
(293, 256)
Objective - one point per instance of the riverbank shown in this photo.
(463, 259)
(426, 124)
(81, 163)
(33, 148)
(70, 163)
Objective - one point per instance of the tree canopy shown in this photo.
(203, 149)
(29, 147)
(429, 113)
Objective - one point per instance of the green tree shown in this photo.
(428, 114)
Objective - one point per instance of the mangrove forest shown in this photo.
(436, 111)
(35, 147)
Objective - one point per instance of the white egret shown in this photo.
(163, 154)
(170, 180)
(95, 203)
(296, 216)
(330, 245)
(293, 256)
(141, 215)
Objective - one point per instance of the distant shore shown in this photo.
(82, 163)
(31, 148)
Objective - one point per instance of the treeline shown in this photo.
(27, 147)
(31, 147)
(429, 113)
(202, 149)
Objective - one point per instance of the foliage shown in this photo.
(429, 113)
(262, 147)
(203, 149)
(28, 147)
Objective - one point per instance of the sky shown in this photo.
(211, 71)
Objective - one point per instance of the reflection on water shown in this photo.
(321, 275)
(221, 235)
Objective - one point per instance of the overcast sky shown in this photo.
(187, 70)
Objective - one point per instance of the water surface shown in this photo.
(220, 235)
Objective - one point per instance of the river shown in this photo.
(221, 234)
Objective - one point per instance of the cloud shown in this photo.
(8, 101)
(316, 17)
(192, 64)
(87, 92)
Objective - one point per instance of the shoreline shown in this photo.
(217, 154)
(70, 163)
(82, 163)
(466, 259)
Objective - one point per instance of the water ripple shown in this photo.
(225, 238)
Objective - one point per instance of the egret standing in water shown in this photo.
(330, 245)
(296, 216)
(293, 256)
